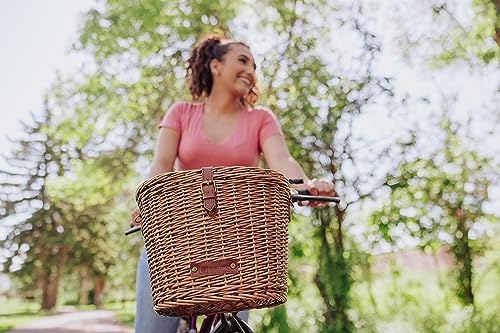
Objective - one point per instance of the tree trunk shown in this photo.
(51, 278)
(45, 291)
(49, 290)
(83, 298)
(344, 273)
(53, 291)
(100, 281)
(496, 36)
(50, 286)
(463, 260)
(368, 276)
(333, 278)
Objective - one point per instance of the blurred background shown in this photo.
(395, 101)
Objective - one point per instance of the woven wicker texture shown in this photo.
(250, 227)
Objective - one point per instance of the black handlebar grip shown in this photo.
(305, 195)
(132, 230)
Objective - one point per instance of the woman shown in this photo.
(221, 128)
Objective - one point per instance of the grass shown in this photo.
(14, 313)
(416, 301)
(406, 301)
(124, 312)
(126, 317)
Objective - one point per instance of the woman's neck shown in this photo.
(221, 104)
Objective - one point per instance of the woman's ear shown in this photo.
(215, 67)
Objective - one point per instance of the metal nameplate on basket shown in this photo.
(216, 267)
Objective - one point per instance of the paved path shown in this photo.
(96, 321)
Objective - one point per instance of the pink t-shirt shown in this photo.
(242, 148)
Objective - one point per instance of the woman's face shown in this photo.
(236, 72)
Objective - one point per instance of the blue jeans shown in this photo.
(146, 319)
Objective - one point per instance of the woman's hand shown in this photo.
(134, 214)
(320, 187)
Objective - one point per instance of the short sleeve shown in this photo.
(269, 125)
(172, 118)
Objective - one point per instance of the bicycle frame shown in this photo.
(219, 323)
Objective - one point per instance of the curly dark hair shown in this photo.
(198, 73)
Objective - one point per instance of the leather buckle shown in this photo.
(209, 191)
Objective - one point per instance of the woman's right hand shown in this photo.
(134, 214)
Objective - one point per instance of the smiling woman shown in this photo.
(215, 57)
(220, 127)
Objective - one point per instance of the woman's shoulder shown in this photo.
(260, 110)
(185, 109)
(265, 120)
(179, 113)
(185, 106)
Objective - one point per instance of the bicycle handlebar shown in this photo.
(302, 195)
(132, 230)
(305, 195)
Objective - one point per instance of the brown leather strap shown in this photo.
(209, 191)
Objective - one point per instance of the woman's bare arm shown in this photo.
(278, 158)
(166, 152)
(164, 158)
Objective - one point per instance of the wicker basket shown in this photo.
(216, 239)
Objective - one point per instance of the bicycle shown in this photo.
(219, 318)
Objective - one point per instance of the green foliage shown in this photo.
(107, 121)
(275, 320)
(67, 201)
(478, 42)
(36, 237)
(139, 49)
(418, 300)
(441, 199)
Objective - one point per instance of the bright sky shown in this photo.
(34, 38)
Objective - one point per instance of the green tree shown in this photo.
(108, 117)
(465, 30)
(88, 194)
(111, 115)
(440, 200)
(139, 50)
(477, 41)
(60, 191)
(35, 249)
(317, 104)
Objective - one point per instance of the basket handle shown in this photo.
(209, 191)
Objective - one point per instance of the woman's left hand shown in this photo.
(320, 187)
